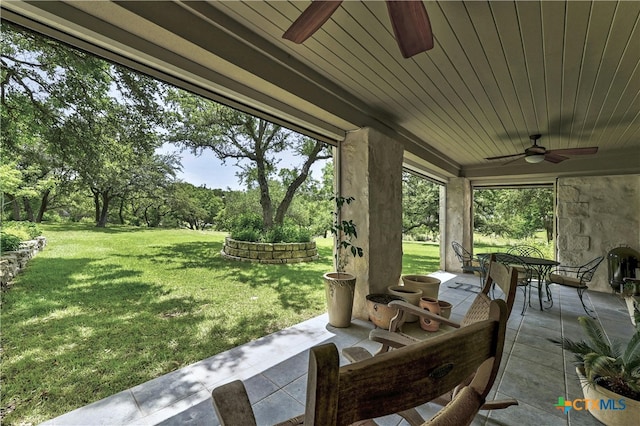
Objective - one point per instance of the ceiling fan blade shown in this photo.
(552, 157)
(313, 17)
(411, 26)
(514, 160)
(505, 156)
(575, 151)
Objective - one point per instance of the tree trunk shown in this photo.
(15, 207)
(293, 187)
(265, 197)
(120, 210)
(44, 202)
(28, 210)
(146, 216)
(105, 210)
(96, 203)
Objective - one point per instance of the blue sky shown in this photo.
(207, 169)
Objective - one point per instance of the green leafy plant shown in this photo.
(344, 232)
(9, 242)
(611, 366)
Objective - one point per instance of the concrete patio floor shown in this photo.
(534, 371)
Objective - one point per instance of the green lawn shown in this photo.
(102, 310)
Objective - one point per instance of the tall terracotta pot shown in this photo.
(430, 286)
(339, 288)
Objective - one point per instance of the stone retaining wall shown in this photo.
(12, 262)
(269, 252)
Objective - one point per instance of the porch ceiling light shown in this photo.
(535, 158)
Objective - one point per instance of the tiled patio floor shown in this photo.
(534, 371)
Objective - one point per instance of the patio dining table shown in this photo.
(540, 265)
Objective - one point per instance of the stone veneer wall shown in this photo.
(596, 214)
(269, 252)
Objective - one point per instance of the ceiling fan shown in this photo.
(536, 153)
(409, 20)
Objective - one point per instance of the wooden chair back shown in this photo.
(503, 277)
(394, 381)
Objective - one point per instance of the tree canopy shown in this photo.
(252, 143)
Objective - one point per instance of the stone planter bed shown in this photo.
(269, 252)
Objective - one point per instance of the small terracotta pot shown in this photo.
(445, 308)
(410, 295)
(432, 305)
(380, 313)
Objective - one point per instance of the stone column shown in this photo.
(594, 215)
(371, 172)
(456, 221)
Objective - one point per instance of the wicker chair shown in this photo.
(464, 362)
(577, 277)
(401, 334)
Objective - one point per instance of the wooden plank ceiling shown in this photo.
(499, 72)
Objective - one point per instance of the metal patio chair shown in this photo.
(469, 264)
(577, 277)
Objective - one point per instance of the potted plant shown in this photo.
(609, 374)
(339, 285)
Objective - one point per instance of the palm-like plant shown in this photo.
(612, 366)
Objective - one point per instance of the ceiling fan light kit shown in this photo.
(535, 158)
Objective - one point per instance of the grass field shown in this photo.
(102, 310)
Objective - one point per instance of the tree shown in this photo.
(253, 143)
(197, 206)
(68, 115)
(420, 205)
(516, 213)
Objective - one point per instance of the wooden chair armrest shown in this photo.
(423, 313)
(390, 338)
(356, 353)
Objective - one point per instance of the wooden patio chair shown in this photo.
(392, 382)
(577, 277)
(401, 334)
(524, 272)
(469, 265)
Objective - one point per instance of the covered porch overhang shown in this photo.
(500, 71)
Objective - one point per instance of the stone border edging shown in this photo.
(245, 251)
(12, 262)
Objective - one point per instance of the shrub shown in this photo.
(9, 242)
(250, 235)
(248, 227)
(287, 233)
(23, 230)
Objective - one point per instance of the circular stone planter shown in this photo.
(269, 252)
